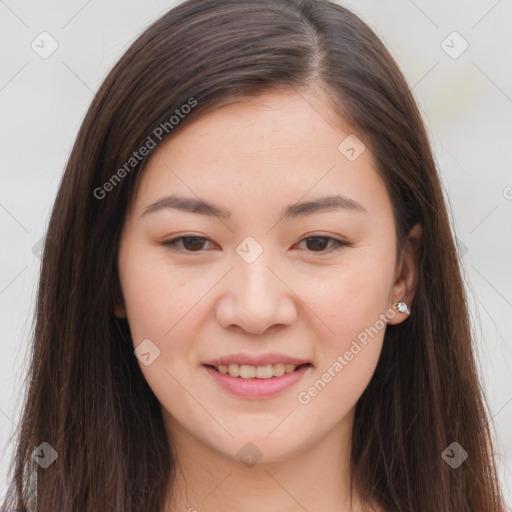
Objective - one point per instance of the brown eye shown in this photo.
(320, 243)
(188, 243)
(317, 243)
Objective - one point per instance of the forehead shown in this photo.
(273, 124)
(266, 148)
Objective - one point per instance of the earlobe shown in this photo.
(403, 307)
(404, 288)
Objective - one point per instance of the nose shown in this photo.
(255, 298)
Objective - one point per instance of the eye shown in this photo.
(190, 243)
(319, 242)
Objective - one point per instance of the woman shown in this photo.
(250, 297)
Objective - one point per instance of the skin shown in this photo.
(297, 298)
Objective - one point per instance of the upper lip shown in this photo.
(261, 360)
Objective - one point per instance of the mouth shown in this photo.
(268, 371)
(257, 382)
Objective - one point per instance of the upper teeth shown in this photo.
(261, 372)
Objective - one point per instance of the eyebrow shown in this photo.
(201, 207)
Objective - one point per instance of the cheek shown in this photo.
(353, 298)
(352, 305)
(349, 348)
(157, 294)
(338, 384)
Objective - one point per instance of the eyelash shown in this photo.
(338, 244)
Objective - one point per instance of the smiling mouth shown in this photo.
(257, 372)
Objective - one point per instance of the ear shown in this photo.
(406, 276)
(120, 311)
(117, 298)
(118, 301)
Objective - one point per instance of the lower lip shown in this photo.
(257, 388)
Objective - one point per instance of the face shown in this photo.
(267, 272)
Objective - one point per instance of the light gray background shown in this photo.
(466, 103)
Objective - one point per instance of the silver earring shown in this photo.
(402, 307)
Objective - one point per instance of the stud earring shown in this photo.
(402, 307)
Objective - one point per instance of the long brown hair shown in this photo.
(86, 395)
